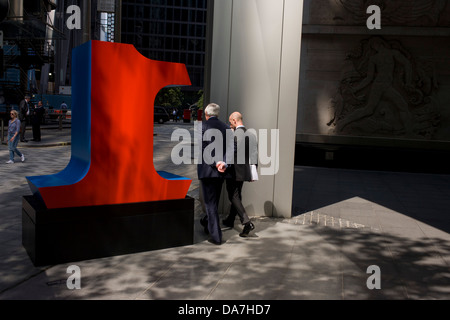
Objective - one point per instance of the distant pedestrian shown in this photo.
(13, 137)
(175, 115)
(36, 119)
(63, 106)
(24, 116)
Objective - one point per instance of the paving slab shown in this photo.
(344, 221)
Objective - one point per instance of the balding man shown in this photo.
(244, 155)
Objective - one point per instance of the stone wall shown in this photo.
(389, 85)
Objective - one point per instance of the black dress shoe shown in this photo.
(204, 223)
(214, 242)
(247, 228)
(228, 223)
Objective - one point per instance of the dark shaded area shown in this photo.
(54, 236)
(372, 158)
(420, 196)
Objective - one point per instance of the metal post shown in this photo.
(16, 10)
(60, 121)
(118, 21)
(208, 53)
(3, 130)
(86, 13)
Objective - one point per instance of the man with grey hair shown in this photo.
(213, 157)
(24, 114)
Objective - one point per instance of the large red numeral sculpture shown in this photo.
(114, 89)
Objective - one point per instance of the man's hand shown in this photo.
(221, 166)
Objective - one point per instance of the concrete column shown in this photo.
(255, 68)
(16, 10)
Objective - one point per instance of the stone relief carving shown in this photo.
(384, 91)
(399, 12)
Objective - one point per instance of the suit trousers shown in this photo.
(36, 126)
(23, 128)
(212, 188)
(234, 190)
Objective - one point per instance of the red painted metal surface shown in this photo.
(124, 85)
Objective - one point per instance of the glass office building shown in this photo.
(168, 30)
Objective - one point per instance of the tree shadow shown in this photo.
(409, 268)
(286, 261)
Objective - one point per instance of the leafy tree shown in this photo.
(169, 97)
(200, 100)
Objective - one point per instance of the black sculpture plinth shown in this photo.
(54, 236)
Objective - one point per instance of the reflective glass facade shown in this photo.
(168, 30)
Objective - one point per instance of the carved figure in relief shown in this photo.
(385, 92)
(380, 75)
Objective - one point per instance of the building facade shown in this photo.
(98, 22)
(168, 30)
(337, 89)
(26, 34)
(375, 97)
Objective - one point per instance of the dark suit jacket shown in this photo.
(24, 106)
(207, 167)
(36, 114)
(245, 153)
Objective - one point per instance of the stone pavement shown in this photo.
(344, 222)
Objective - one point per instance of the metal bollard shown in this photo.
(60, 122)
(3, 130)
